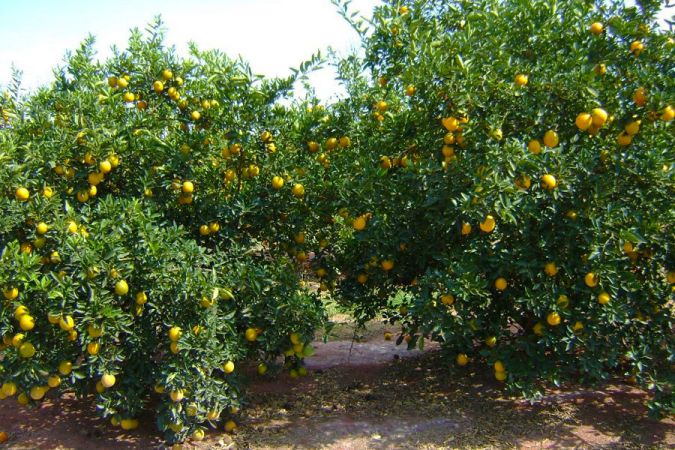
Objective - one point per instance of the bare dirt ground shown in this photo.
(378, 396)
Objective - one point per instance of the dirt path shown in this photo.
(381, 397)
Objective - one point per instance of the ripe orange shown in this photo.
(108, 380)
(174, 333)
(501, 284)
(597, 28)
(640, 96)
(298, 190)
(359, 223)
(604, 298)
(583, 121)
(121, 288)
(462, 359)
(591, 279)
(489, 224)
(22, 194)
(553, 319)
(549, 182)
(521, 79)
(228, 367)
(551, 139)
(599, 116)
(534, 146)
(251, 334)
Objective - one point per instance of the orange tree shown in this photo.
(508, 186)
(141, 231)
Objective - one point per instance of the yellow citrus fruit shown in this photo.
(168, 74)
(466, 228)
(551, 269)
(26, 350)
(195, 115)
(65, 367)
(534, 146)
(277, 182)
(583, 121)
(553, 319)
(121, 288)
(491, 341)
(230, 426)
(450, 123)
(488, 225)
(331, 143)
(298, 190)
(93, 348)
(462, 359)
(37, 392)
(141, 298)
(359, 223)
(175, 334)
(176, 396)
(549, 182)
(228, 367)
(108, 380)
(632, 128)
(499, 366)
(129, 424)
(521, 79)
(668, 114)
(603, 298)
(188, 187)
(27, 322)
(361, 278)
(591, 279)
(54, 381)
(387, 264)
(345, 142)
(447, 299)
(624, 139)
(538, 329)
(636, 47)
(551, 139)
(599, 116)
(251, 334)
(22, 194)
(66, 323)
(640, 96)
(501, 284)
(42, 228)
(198, 434)
(596, 28)
(563, 301)
(105, 166)
(10, 293)
(262, 369)
(94, 331)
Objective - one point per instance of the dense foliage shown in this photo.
(498, 178)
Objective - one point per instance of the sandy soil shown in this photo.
(371, 394)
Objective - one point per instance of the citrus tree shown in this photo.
(508, 186)
(141, 231)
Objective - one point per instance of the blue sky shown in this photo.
(272, 35)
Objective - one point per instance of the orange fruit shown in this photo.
(597, 28)
(521, 79)
(583, 121)
(551, 139)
